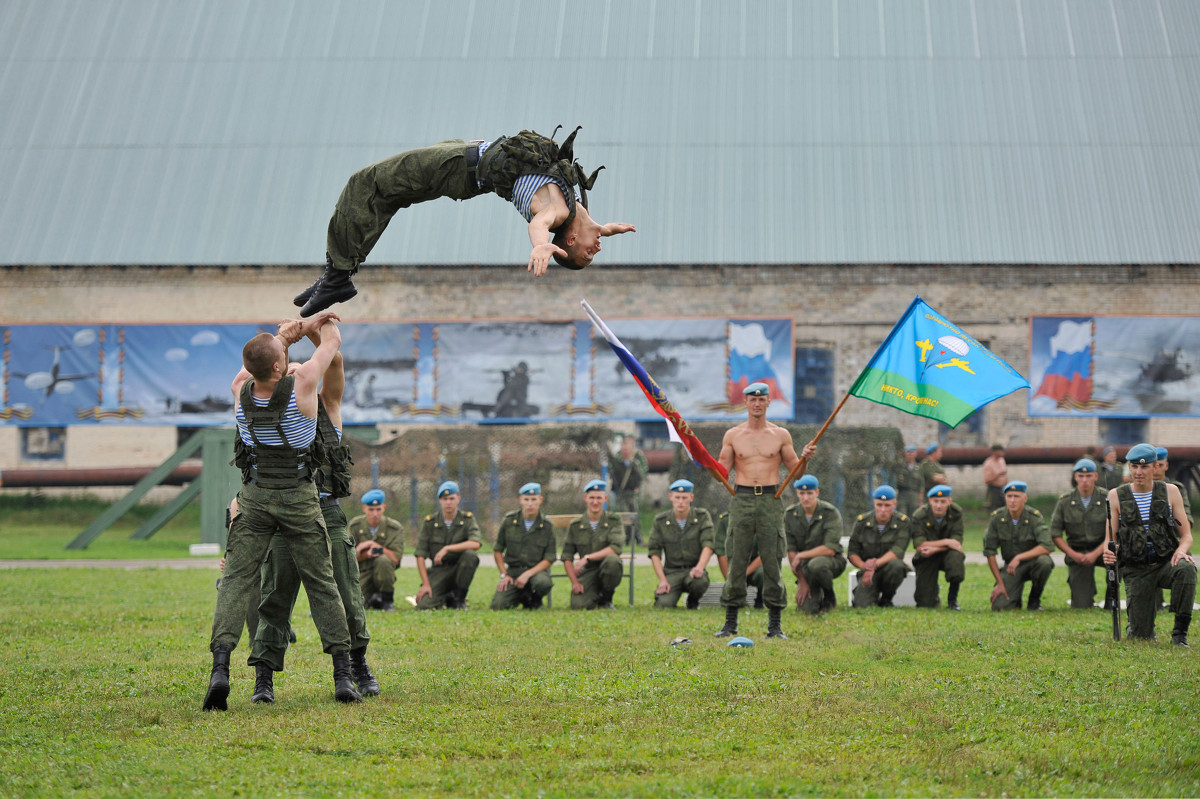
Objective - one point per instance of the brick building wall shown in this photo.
(848, 309)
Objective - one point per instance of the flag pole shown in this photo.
(799, 467)
(718, 476)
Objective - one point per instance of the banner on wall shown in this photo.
(1120, 366)
(56, 375)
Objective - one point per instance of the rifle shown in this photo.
(1113, 571)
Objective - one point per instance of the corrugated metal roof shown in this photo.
(822, 131)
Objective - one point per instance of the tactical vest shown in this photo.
(1146, 542)
(333, 475)
(530, 153)
(263, 464)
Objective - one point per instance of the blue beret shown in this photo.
(1141, 454)
(911, 448)
(931, 448)
(682, 486)
(595, 485)
(757, 390)
(1016, 485)
(884, 492)
(530, 488)
(374, 497)
(447, 488)
(1084, 465)
(1161, 453)
(808, 482)
(940, 490)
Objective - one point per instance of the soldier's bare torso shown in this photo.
(758, 452)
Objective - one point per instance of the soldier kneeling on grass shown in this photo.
(683, 536)
(524, 552)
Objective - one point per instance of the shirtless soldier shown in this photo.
(755, 449)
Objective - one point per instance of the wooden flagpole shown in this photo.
(799, 467)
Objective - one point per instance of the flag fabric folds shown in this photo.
(675, 423)
(1068, 378)
(928, 366)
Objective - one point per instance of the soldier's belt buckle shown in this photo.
(758, 491)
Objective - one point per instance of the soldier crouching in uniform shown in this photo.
(276, 417)
(877, 546)
(281, 581)
(937, 535)
(596, 537)
(813, 529)
(684, 537)
(1153, 540)
(1078, 528)
(378, 547)
(449, 539)
(1020, 535)
(524, 552)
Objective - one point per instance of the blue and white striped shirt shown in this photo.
(1143, 503)
(299, 430)
(526, 186)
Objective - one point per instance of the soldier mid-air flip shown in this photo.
(541, 178)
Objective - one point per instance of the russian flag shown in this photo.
(1068, 378)
(677, 428)
(750, 362)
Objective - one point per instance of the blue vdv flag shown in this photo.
(928, 366)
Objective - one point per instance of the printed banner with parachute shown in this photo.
(489, 371)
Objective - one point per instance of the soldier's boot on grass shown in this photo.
(363, 678)
(333, 286)
(218, 682)
(730, 628)
(693, 602)
(952, 597)
(264, 684)
(604, 602)
(758, 600)
(387, 601)
(343, 682)
(1179, 634)
(828, 601)
(886, 600)
(773, 623)
(1035, 598)
(374, 602)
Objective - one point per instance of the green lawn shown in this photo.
(103, 682)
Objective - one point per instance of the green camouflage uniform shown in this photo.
(924, 528)
(1009, 540)
(720, 537)
(868, 541)
(1083, 529)
(457, 569)
(680, 548)
(802, 534)
(377, 573)
(755, 522)
(523, 549)
(1146, 568)
(1108, 479)
(930, 468)
(910, 488)
(601, 579)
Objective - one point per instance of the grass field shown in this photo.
(106, 671)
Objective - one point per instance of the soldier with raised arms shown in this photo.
(755, 450)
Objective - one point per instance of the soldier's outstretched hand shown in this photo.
(539, 259)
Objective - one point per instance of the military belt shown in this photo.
(472, 156)
(329, 502)
(758, 490)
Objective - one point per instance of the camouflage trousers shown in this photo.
(755, 519)
(599, 582)
(1082, 581)
(1035, 572)
(296, 514)
(950, 561)
(375, 193)
(538, 586)
(449, 577)
(887, 579)
(376, 575)
(681, 581)
(1142, 584)
(281, 586)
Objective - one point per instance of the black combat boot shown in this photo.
(264, 684)
(300, 299)
(773, 621)
(332, 287)
(886, 600)
(828, 600)
(367, 684)
(952, 597)
(1035, 598)
(730, 628)
(1179, 634)
(374, 602)
(605, 601)
(343, 682)
(218, 682)
(387, 600)
(693, 602)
